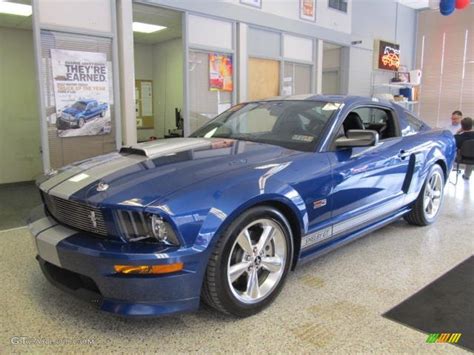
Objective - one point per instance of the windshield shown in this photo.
(292, 124)
(80, 106)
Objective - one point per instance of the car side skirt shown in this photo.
(317, 251)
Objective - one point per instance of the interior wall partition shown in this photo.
(279, 64)
(210, 43)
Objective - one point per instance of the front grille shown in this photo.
(76, 215)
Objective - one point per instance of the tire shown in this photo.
(82, 122)
(228, 285)
(432, 194)
(102, 114)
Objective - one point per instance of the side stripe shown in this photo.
(344, 226)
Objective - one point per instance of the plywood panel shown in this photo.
(263, 78)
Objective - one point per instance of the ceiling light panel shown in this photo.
(146, 27)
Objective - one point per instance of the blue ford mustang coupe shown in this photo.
(223, 215)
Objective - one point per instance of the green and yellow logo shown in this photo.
(452, 338)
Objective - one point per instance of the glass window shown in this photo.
(297, 79)
(292, 124)
(340, 5)
(373, 118)
(204, 103)
(414, 125)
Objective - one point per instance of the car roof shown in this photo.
(347, 99)
(87, 101)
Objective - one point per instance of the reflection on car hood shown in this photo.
(142, 174)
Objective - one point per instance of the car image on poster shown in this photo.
(81, 92)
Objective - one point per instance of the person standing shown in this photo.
(455, 124)
(464, 134)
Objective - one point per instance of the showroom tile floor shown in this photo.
(333, 304)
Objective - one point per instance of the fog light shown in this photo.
(148, 269)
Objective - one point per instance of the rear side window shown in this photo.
(414, 125)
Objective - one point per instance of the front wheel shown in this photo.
(429, 202)
(82, 122)
(249, 264)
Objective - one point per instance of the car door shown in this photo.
(367, 181)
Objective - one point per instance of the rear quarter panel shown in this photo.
(429, 147)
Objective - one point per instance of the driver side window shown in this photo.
(374, 118)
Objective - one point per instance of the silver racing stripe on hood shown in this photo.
(59, 178)
(88, 176)
(79, 176)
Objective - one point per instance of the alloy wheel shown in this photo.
(433, 195)
(257, 261)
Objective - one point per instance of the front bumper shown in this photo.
(83, 264)
(64, 124)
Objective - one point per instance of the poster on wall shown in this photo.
(220, 72)
(308, 10)
(81, 92)
(254, 3)
(387, 55)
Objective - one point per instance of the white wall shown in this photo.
(325, 16)
(162, 63)
(91, 15)
(378, 19)
(20, 158)
(143, 54)
(168, 83)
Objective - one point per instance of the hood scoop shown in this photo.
(166, 146)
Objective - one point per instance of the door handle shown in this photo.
(403, 154)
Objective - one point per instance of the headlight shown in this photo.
(162, 231)
(137, 226)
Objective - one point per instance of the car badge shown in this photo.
(102, 186)
(93, 219)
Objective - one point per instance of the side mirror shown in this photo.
(358, 138)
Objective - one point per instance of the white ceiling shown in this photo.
(157, 16)
(415, 4)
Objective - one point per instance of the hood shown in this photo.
(71, 111)
(139, 175)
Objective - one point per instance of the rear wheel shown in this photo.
(248, 267)
(429, 202)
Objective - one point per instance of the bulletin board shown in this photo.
(144, 104)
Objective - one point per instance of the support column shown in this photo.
(126, 71)
(242, 56)
(319, 66)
